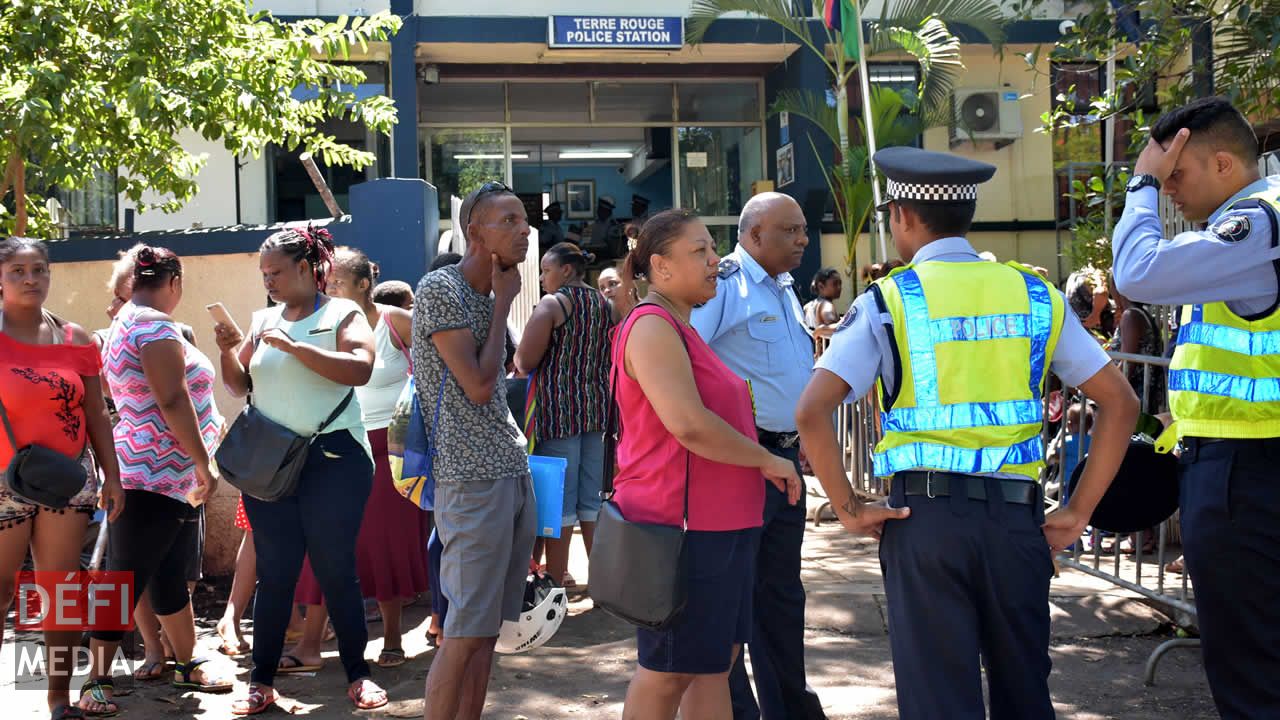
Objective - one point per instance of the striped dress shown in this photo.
(150, 457)
(573, 379)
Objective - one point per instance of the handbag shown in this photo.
(40, 475)
(638, 571)
(264, 459)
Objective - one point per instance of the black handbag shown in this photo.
(264, 459)
(40, 475)
(638, 571)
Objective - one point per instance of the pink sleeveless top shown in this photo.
(651, 462)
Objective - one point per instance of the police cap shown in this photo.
(930, 177)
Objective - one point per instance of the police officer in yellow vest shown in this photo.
(1224, 381)
(962, 349)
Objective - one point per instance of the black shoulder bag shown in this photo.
(637, 570)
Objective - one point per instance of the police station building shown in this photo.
(601, 106)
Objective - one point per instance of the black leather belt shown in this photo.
(783, 440)
(940, 484)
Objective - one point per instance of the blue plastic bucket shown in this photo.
(548, 492)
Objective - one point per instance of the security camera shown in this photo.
(1066, 26)
(429, 74)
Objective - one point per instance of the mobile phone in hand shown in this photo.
(220, 315)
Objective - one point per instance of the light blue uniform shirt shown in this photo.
(756, 327)
(1198, 266)
(860, 351)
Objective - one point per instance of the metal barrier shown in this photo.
(1127, 562)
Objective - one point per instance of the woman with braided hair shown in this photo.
(303, 358)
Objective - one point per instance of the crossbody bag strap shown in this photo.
(613, 429)
(336, 412)
(8, 429)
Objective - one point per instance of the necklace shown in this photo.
(670, 306)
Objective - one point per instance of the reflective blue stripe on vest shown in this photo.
(1236, 340)
(963, 415)
(955, 459)
(924, 366)
(1224, 385)
(1041, 329)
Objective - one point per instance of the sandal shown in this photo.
(295, 665)
(182, 678)
(364, 688)
(256, 702)
(66, 712)
(391, 657)
(150, 671)
(96, 690)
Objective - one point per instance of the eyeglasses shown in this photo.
(493, 186)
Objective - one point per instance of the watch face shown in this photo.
(1135, 182)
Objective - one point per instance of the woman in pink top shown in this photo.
(687, 419)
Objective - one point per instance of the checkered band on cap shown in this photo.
(931, 193)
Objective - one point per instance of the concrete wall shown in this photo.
(214, 204)
(79, 293)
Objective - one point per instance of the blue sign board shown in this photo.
(612, 31)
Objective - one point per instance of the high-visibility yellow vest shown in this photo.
(973, 344)
(1224, 379)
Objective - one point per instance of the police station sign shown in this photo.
(595, 31)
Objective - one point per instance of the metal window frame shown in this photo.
(674, 124)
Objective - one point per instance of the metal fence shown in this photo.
(1138, 563)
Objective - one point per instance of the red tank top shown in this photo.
(650, 483)
(42, 388)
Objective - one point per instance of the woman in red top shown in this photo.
(53, 397)
(689, 423)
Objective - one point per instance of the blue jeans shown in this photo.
(583, 477)
(320, 521)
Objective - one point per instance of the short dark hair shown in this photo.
(11, 246)
(1214, 120)
(821, 277)
(356, 262)
(566, 253)
(393, 292)
(943, 219)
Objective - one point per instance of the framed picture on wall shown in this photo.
(786, 157)
(580, 199)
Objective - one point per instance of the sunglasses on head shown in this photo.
(493, 186)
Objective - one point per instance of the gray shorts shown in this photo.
(487, 528)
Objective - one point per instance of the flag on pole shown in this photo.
(842, 16)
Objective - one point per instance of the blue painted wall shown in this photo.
(802, 70)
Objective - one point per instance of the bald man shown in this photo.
(755, 324)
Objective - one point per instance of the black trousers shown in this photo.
(777, 636)
(967, 585)
(153, 538)
(1231, 545)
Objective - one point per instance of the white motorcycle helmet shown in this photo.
(545, 607)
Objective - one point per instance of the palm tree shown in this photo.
(916, 27)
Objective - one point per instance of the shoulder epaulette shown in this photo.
(728, 266)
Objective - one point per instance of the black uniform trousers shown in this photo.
(1231, 546)
(967, 581)
(777, 635)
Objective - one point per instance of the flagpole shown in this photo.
(865, 81)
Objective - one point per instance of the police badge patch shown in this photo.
(1232, 228)
(848, 318)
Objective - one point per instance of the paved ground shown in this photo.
(1102, 637)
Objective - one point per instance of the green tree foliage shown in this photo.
(88, 85)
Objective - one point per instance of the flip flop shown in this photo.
(391, 657)
(256, 702)
(182, 678)
(357, 694)
(296, 666)
(66, 712)
(97, 692)
(150, 671)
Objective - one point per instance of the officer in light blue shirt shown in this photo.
(965, 554)
(755, 325)
(1203, 156)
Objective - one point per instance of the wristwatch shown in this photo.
(1137, 182)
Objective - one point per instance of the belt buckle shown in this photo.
(928, 485)
(791, 440)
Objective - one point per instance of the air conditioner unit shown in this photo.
(987, 115)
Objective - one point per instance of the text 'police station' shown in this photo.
(608, 30)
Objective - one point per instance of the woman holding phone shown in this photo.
(163, 388)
